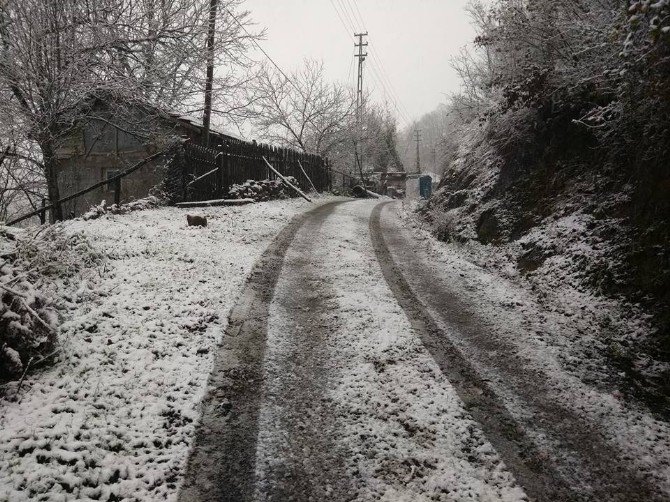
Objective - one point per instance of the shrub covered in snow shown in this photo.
(562, 134)
(31, 277)
(27, 321)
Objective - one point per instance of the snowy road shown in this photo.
(352, 370)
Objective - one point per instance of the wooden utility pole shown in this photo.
(418, 158)
(211, 32)
(358, 144)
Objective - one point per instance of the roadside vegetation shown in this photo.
(555, 154)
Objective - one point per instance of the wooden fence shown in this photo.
(201, 173)
(196, 173)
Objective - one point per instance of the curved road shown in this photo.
(352, 371)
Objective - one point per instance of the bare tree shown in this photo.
(59, 55)
(302, 110)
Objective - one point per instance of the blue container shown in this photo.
(425, 186)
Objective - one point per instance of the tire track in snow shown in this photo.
(362, 413)
(411, 438)
(297, 456)
(592, 471)
(223, 460)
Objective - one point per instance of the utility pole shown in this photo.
(211, 31)
(418, 159)
(358, 156)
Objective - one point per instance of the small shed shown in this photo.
(421, 185)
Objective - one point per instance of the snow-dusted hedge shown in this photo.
(28, 322)
(35, 265)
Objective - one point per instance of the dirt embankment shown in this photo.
(574, 222)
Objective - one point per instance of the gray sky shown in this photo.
(412, 40)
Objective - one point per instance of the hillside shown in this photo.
(561, 218)
(555, 166)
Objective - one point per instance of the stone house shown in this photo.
(106, 145)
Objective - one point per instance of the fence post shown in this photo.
(225, 166)
(43, 213)
(218, 183)
(117, 191)
(184, 182)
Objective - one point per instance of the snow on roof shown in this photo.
(195, 122)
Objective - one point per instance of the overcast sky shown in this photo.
(412, 40)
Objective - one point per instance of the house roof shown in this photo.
(196, 123)
(106, 99)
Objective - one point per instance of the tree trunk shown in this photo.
(51, 175)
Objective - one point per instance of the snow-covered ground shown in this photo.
(554, 324)
(397, 423)
(114, 417)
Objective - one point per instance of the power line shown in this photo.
(253, 39)
(382, 75)
(389, 93)
(353, 8)
(390, 98)
(377, 68)
(358, 11)
(351, 15)
(377, 61)
(346, 29)
(347, 15)
(359, 98)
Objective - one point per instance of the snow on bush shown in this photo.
(31, 278)
(27, 322)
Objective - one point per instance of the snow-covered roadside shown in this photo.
(404, 428)
(114, 418)
(412, 438)
(552, 325)
(599, 337)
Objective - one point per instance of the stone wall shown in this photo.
(96, 152)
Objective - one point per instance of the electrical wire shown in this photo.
(360, 17)
(349, 13)
(377, 61)
(343, 5)
(378, 70)
(253, 39)
(344, 25)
